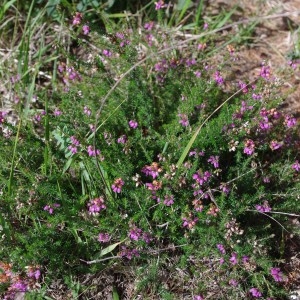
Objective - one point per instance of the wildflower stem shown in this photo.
(192, 140)
(11, 175)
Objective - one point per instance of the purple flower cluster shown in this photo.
(189, 222)
(202, 178)
(104, 237)
(51, 207)
(274, 145)
(92, 151)
(265, 72)
(184, 121)
(153, 170)
(137, 234)
(218, 78)
(277, 274)
(133, 124)
(74, 145)
(249, 147)
(233, 259)
(107, 53)
(77, 19)
(96, 205)
(290, 121)
(263, 207)
(214, 160)
(296, 166)
(129, 253)
(160, 4)
(221, 248)
(34, 272)
(87, 111)
(86, 29)
(169, 200)
(255, 292)
(122, 139)
(117, 185)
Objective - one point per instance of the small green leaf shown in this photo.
(110, 248)
(115, 294)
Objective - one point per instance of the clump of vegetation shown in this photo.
(143, 155)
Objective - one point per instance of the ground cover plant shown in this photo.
(137, 161)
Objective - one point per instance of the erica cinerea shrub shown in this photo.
(147, 156)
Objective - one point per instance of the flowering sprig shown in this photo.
(117, 185)
(249, 147)
(263, 207)
(276, 274)
(153, 170)
(51, 207)
(96, 205)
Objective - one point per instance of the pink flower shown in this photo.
(117, 185)
(86, 29)
(96, 205)
(153, 170)
(214, 160)
(133, 124)
(233, 259)
(197, 74)
(129, 253)
(149, 26)
(107, 53)
(277, 274)
(154, 186)
(122, 139)
(57, 112)
(243, 86)
(159, 4)
(249, 147)
(274, 145)
(50, 208)
(103, 237)
(19, 286)
(290, 121)
(265, 124)
(263, 207)
(135, 233)
(77, 18)
(184, 120)
(245, 259)
(189, 222)
(198, 297)
(92, 151)
(224, 188)
(265, 72)
(255, 292)
(218, 78)
(296, 166)
(233, 282)
(87, 111)
(169, 200)
(221, 248)
(74, 145)
(205, 26)
(34, 273)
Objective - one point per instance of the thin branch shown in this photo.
(90, 262)
(252, 210)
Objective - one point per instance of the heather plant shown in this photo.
(145, 156)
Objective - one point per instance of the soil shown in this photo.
(274, 40)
